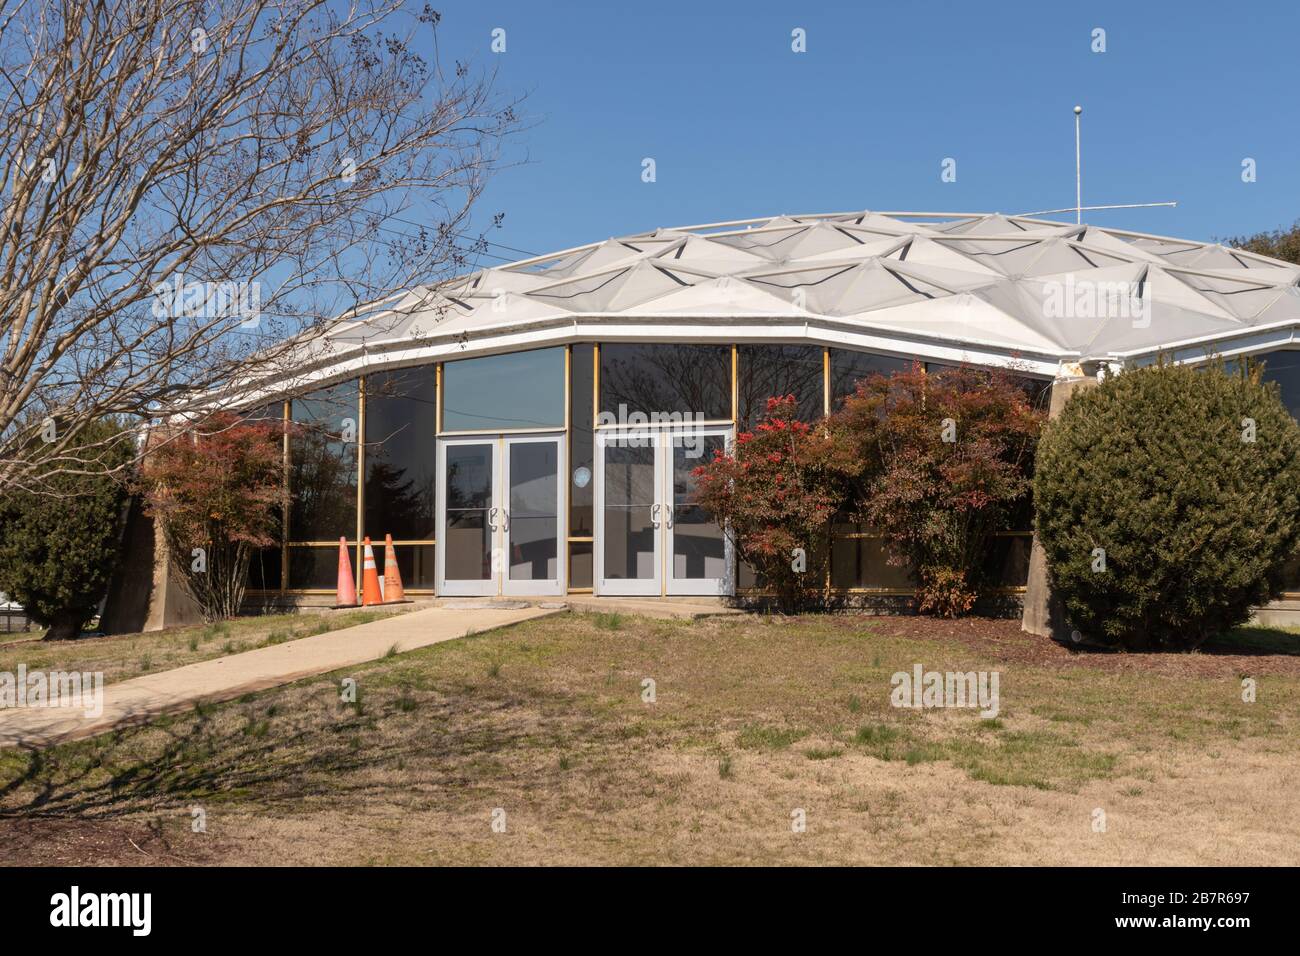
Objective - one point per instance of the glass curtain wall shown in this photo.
(400, 462)
(383, 427)
(324, 442)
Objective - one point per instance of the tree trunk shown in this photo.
(64, 628)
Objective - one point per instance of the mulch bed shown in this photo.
(1003, 640)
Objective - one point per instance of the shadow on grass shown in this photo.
(271, 752)
(1254, 642)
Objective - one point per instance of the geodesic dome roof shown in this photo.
(987, 286)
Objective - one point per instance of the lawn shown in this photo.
(755, 724)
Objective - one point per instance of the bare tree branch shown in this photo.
(191, 184)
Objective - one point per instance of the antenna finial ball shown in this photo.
(1078, 110)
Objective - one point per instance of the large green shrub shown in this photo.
(58, 547)
(1168, 501)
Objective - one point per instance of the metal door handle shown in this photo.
(505, 520)
(668, 512)
(654, 515)
(492, 519)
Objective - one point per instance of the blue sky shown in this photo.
(739, 126)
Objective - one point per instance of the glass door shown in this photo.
(628, 509)
(699, 554)
(468, 512)
(651, 536)
(533, 504)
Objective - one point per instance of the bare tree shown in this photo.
(191, 183)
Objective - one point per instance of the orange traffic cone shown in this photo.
(369, 578)
(347, 591)
(393, 593)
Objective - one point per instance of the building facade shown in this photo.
(531, 429)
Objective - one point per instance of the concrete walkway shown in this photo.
(141, 698)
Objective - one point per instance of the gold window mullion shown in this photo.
(361, 472)
(826, 381)
(735, 385)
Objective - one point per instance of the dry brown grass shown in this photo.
(753, 720)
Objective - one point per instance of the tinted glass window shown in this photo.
(666, 380)
(264, 569)
(401, 454)
(518, 390)
(316, 569)
(581, 455)
(767, 371)
(1284, 368)
(849, 367)
(323, 465)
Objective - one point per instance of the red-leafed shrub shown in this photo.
(937, 462)
(216, 488)
(776, 493)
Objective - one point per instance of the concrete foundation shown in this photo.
(146, 593)
(1043, 614)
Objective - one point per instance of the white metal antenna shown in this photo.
(1078, 207)
(1124, 205)
(1078, 170)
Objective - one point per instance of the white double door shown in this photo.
(651, 537)
(501, 515)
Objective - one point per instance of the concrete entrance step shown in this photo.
(480, 603)
(688, 608)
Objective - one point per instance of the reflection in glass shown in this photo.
(699, 550)
(516, 390)
(316, 568)
(768, 371)
(323, 464)
(649, 380)
(468, 546)
(533, 521)
(849, 367)
(415, 562)
(861, 562)
(401, 454)
(630, 532)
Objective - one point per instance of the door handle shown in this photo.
(492, 519)
(654, 515)
(505, 520)
(668, 513)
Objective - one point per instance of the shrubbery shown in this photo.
(58, 547)
(937, 462)
(776, 493)
(1168, 501)
(216, 488)
(934, 463)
